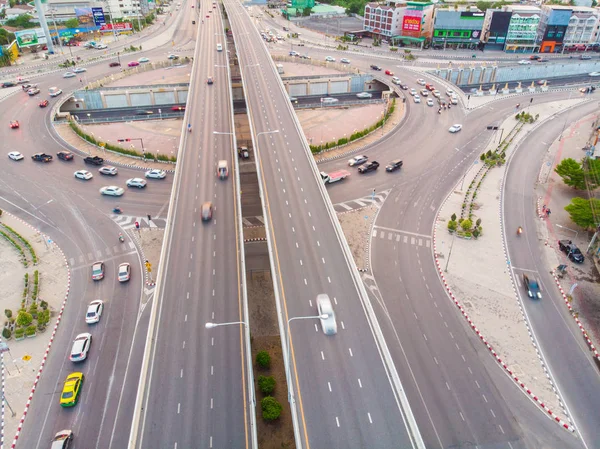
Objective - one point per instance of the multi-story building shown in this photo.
(61, 10)
(457, 27)
(582, 27)
(521, 36)
(409, 19)
(495, 28)
(554, 21)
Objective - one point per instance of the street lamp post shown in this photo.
(289, 357)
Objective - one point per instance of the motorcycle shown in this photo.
(519, 230)
(121, 238)
(117, 210)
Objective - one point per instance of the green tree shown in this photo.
(72, 23)
(266, 384)
(306, 12)
(581, 211)
(263, 359)
(24, 319)
(22, 21)
(466, 224)
(571, 173)
(271, 408)
(483, 5)
(592, 172)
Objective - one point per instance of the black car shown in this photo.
(533, 288)
(114, 64)
(65, 155)
(375, 67)
(144, 112)
(8, 84)
(94, 160)
(394, 165)
(41, 157)
(370, 166)
(571, 250)
(403, 86)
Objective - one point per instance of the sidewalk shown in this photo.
(488, 296)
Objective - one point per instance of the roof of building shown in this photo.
(522, 8)
(377, 5)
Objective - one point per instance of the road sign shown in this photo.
(102, 144)
(26, 358)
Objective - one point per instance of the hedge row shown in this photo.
(25, 242)
(16, 245)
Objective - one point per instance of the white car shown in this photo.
(429, 102)
(524, 62)
(108, 170)
(172, 56)
(69, 75)
(364, 95)
(345, 61)
(436, 93)
(79, 70)
(413, 92)
(94, 311)
(124, 272)
(101, 46)
(143, 59)
(357, 160)
(112, 191)
(136, 182)
(83, 174)
(455, 128)
(15, 156)
(80, 347)
(417, 99)
(326, 315)
(330, 59)
(396, 80)
(156, 174)
(594, 74)
(421, 82)
(450, 93)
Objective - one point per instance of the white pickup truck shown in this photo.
(329, 178)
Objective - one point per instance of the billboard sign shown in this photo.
(84, 16)
(98, 15)
(125, 26)
(412, 20)
(30, 38)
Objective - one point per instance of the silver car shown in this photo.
(329, 325)
(136, 182)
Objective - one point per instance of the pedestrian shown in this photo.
(544, 208)
(547, 212)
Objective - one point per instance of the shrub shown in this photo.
(6, 333)
(266, 384)
(452, 225)
(453, 217)
(263, 359)
(8, 313)
(43, 305)
(33, 310)
(271, 408)
(19, 332)
(24, 319)
(466, 224)
(478, 222)
(476, 233)
(30, 330)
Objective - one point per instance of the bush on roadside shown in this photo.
(19, 332)
(271, 408)
(6, 333)
(24, 319)
(30, 330)
(266, 384)
(263, 359)
(8, 313)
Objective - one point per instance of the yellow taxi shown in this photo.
(71, 390)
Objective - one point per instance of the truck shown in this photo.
(329, 178)
(94, 160)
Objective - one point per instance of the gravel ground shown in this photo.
(27, 355)
(357, 229)
(255, 232)
(150, 240)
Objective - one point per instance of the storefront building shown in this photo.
(554, 21)
(582, 29)
(457, 29)
(522, 35)
(495, 28)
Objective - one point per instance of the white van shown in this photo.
(219, 47)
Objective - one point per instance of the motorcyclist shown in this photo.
(117, 210)
(121, 238)
(519, 230)
(189, 127)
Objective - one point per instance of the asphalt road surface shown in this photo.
(194, 390)
(343, 395)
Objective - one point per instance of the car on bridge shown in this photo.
(417, 99)
(114, 64)
(133, 64)
(209, 80)
(370, 166)
(329, 59)
(136, 182)
(524, 62)
(389, 73)
(124, 272)
(357, 160)
(533, 288)
(206, 211)
(98, 271)
(345, 61)
(79, 70)
(33, 91)
(421, 82)
(71, 390)
(375, 67)
(326, 314)
(69, 75)
(363, 95)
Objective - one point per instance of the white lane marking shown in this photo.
(212, 370)
(337, 421)
(369, 415)
(350, 351)
(183, 347)
(211, 403)
(492, 412)
(329, 385)
(484, 398)
(181, 373)
(185, 317)
(359, 383)
(301, 262)
(178, 408)
(329, 279)
(448, 386)
(322, 355)
(461, 415)
(305, 283)
(342, 323)
(323, 259)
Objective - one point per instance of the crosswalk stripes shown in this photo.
(109, 251)
(398, 235)
(128, 222)
(358, 203)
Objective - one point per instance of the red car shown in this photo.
(207, 16)
(133, 64)
(178, 108)
(389, 72)
(114, 64)
(43, 104)
(14, 124)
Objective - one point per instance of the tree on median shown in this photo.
(582, 210)
(571, 173)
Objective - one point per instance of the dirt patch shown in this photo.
(357, 228)
(280, 433)
(256, 232)
(150, 240)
